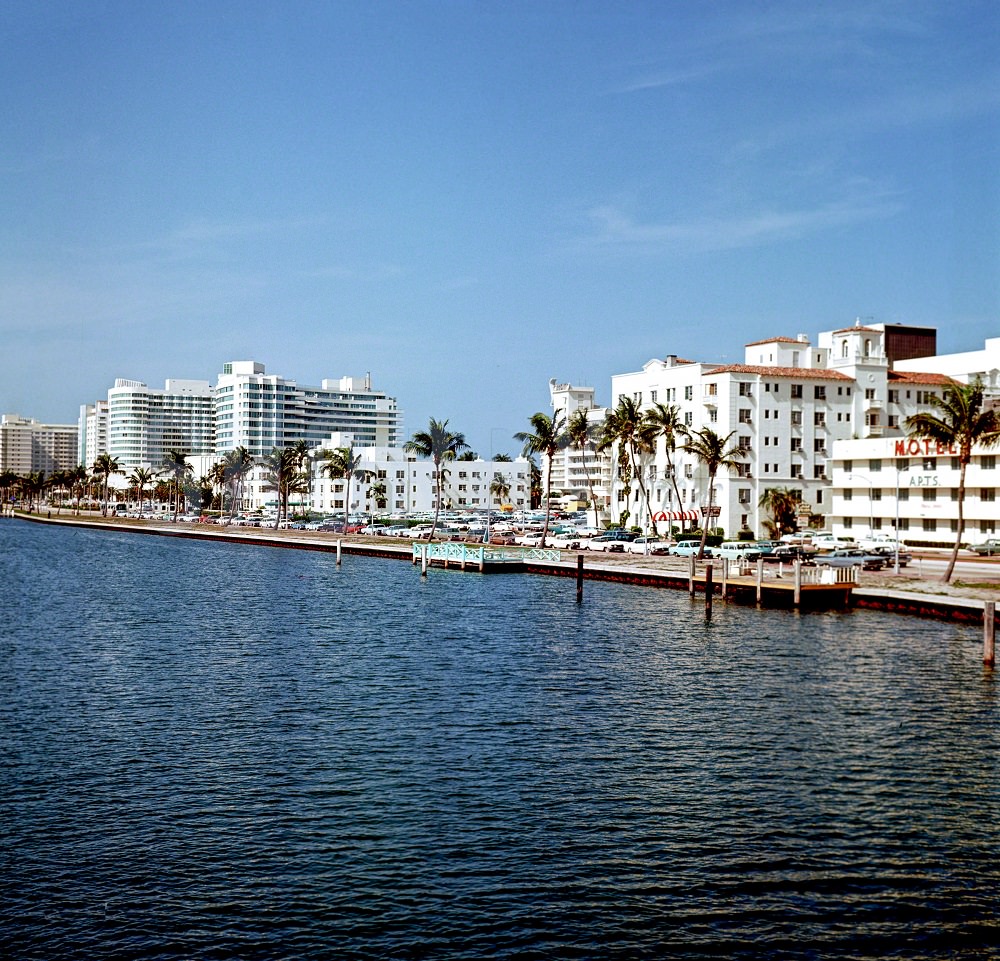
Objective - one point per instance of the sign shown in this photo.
(711, 511)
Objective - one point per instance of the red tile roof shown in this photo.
(867, 330)
(798, 373)
(778, 340)
(914, 377)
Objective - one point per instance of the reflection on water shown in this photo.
(213, 750)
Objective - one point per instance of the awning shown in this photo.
(675, 516)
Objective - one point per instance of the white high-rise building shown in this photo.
(260, 411)
(145, 424)
(92, 428)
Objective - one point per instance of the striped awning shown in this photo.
(676, 516)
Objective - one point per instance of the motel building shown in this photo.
(910, 486)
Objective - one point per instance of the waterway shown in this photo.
(225, 751)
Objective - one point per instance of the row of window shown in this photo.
(875, 464)
(927, 494)
(927, 524)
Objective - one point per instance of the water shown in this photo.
(218, 751)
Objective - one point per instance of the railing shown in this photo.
(463, 554)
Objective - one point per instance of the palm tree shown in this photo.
(547, 437)
(712, 451)
(379, 494)
(439, 444)
(104, 466)
(502, 459)
(626, 427)
(141, 477)
(960, 423)
(342, 462)
(581, 436)
(77, 480)
(177, 468)
(8, 481)
(236, 466)
(664, 420)
(783, 503)
(280, 466)
(500, 487)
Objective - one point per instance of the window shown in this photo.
(818, 473)
(689, 470)
(796, 391)
(796, 444)
(688, 392)
(744, 497)
(819, 418)
(688, 418)
(713, 416)
(819, 445)
(652, 396)
(875, 466)
(904, 523)
(987, 494)
(744, 440)
(869, 393)
(796, 418)
(848, 465)
(956, 464)
(904, 494)
(988, 462)
(819, 392)
(893, 396)
(796, 470)
(929, 495)
(744, 416)
(876, 493)
(848, 523)
(746, 390)
(930, 524)
(929, 463)
(988, 527)
(848, 494)
(893, 421)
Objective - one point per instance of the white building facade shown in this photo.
(144, 424)
(92, 428)
(786, 405)
(261, 411)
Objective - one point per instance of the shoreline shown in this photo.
(876, 593)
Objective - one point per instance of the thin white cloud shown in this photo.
(615, 229)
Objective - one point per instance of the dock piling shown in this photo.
(989, 633)
(760, 580)
(339, 546)
(708, 589)
(579, 578)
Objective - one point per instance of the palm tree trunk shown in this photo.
(439, 488)
(950, 569)
(708, 516)
(548, 499)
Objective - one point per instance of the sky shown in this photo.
(467, 199)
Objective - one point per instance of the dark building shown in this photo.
(903, 342)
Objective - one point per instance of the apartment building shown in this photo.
(145, 424)
(92, 428)
(260, 411)
(580, 475)
(26, 445)
(786, 405)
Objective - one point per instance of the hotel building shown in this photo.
(26, 445)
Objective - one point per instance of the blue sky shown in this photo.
(469, 198)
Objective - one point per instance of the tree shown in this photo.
(140, 479)
(468, 455)
(236, 467)
(712, 452)
(343, 463)
(783, 503)
(664, 420)
(960, 423)
(502, 459)
(104, 466)
(580, 432)
(280, 467)
(8, 481)
(439, 444)
(546, 438)
(625, 427)
(500, 487)
(379, 494)
(177, 468)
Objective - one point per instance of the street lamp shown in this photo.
(899, 470)
(871, 506)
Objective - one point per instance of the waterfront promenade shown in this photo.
(916, 589)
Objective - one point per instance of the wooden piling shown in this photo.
(989, 633)
(708, 590)
(579, 578)
(340, 544)
(691, 562)
(725, 576)
(423, 559)
(797, 598)
(760, 580)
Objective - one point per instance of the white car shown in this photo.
(566, 541)
(648, 545)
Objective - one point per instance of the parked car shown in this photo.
(737, 551)
(503, 540)
(566, 541)
(688, 548)
(988, 547)
(889, 553)
(788, 553)
(851, 557)
(647, 545)
(613, 541)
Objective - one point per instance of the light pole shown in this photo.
(899, 470)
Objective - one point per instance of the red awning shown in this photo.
(676, 516)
